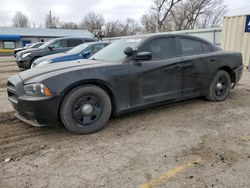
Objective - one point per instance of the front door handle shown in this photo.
(187, 65)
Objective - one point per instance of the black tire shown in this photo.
(73, 109)
(220, 87)
(32, 61)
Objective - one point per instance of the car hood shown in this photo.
(38, 74)
(16, 49)
(29, 50)
(57, 57)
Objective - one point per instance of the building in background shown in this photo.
(210, 34)
(13, 37)
(236, 35)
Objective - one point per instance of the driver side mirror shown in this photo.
(143, 56)
(86, 54)
(128, 51)
(51, 48)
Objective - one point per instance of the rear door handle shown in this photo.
(177, 67)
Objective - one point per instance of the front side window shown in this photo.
(60, 44)
(96, 48)
(36, 45)
(190, 47)
(162, 48)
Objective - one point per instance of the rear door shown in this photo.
(158, 79)
(195, 65)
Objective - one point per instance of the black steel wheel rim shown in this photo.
(221, 86)
(87, 110)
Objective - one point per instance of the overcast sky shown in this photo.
(75, 10)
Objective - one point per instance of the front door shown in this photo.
(158, 79)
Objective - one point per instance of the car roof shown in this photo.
(98, 42)
(156, 35)
(75, 37)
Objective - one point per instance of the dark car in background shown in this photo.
(82, 51)
(25, 58)
(29, 46)
(130, 74)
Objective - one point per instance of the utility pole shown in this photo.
(157, 16)
(50, 19)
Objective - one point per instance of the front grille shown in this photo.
(11, 92)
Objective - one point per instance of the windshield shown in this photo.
(114, 51)
(28, 45)
(47, 44)
(78, 49)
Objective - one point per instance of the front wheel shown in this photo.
(220, 87)
(85, 109)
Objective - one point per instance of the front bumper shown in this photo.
(23, 62)
(31, 122)
(32, 110)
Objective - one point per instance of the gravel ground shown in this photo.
(195, 143)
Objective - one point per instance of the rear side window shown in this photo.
(163, 48)
(206, 47)
(190, 47)
(90, 40)
(74, 42)
(60, 44)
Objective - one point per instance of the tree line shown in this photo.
(164, 15)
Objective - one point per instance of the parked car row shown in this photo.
(82, 51)
(27, 57)
(129, 74)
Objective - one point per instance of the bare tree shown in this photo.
(149, 22)
(162, 9)
(129, 27)
(213, 17)
(68, 25)
(125, 28)
(192, 14)
(92, 21)
(20, 20)
(112, 29)
(184, 14)
(52, 22)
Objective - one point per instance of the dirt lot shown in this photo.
(189, 144)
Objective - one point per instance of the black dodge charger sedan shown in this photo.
(130, 74)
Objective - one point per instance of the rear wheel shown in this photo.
(85, 109)
(220, 87)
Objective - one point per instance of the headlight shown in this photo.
(25, 55)
(37, 90)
